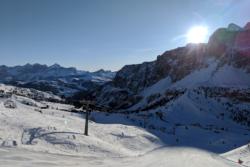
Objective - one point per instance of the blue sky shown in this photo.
(94, 34)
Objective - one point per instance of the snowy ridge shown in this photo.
(8, 91)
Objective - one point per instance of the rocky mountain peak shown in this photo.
(234, 27)
(55, 66)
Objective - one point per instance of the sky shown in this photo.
(106, 34)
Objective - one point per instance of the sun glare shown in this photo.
(197, 34)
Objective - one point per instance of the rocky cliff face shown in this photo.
(176, 63)
(135, 77)
(242, 41)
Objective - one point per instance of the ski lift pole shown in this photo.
(86, 123)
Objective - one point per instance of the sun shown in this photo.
(197, 34)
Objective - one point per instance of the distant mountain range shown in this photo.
(55, 78)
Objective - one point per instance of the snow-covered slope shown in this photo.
(40, 125)
(173, 157)
(40, 133)
(240, 155)
(217, 76)
(7, 91)
(213, 75)
(214, 119)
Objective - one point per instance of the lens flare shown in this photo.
(197, 34)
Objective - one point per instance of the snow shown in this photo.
(197, 78)
(225, 76)
(184, 157)
(228, 76)
(193, 117)
(242, 153)
(34, 136)
(32, 93)
(52, 130)
(157, 88)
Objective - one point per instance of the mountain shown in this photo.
(55, 78)
(223, 62)
(202, 85)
